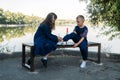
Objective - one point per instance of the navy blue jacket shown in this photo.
(44, 40)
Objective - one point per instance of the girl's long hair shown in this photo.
(49, 20)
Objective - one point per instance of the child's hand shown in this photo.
(60, 39)
(75, 45)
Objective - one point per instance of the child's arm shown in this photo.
(83, 37)
(76, 44)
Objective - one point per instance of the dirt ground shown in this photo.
(60, 68)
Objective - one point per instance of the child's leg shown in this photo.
(72, 36)
(84, 50)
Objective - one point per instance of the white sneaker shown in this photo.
(83, 65)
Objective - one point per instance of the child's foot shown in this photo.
(83, 64)
(44, 62)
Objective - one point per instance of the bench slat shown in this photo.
(65, 45)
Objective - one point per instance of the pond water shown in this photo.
(14, 44)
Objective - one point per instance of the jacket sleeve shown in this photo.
(84, 34)
(49, 35)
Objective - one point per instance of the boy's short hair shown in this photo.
(80, 16)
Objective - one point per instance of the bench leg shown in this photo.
(99, 54)
(23, 55)
(32, 60)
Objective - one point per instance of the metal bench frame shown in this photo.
(31, 46)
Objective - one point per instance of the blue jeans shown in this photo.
(82, 46)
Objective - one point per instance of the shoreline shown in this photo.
(19, 25)
(12, 25)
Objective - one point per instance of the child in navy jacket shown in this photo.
(79, 36)
(44, 41)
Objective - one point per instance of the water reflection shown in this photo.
(14, 32)
(7, 33)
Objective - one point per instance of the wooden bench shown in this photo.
(31, 46)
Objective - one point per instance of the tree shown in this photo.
(8, 17)
(2, 17)
(108, 13)
(18, 18)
